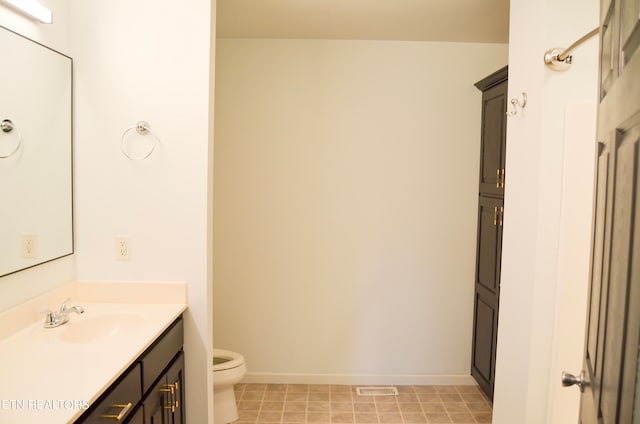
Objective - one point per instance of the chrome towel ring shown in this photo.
(138, 151)
(7, 127)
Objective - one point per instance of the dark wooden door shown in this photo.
(165, 402)
(175, 381)
(613, 321)
(157, 403)
(493, 133)
(487, 292)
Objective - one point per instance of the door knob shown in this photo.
(571, 380)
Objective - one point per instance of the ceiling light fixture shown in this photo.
(34, 9)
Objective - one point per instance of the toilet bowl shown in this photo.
(228, 369)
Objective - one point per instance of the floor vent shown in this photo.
(377, 391)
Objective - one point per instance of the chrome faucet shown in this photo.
(55, 319)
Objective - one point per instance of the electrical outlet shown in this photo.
(29, 246)
(123, 248)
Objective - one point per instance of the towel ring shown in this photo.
(143, 129)
(7, 127)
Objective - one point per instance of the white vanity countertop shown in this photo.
(51, 375)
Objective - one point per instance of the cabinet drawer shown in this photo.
(161, 353)
(126, 391)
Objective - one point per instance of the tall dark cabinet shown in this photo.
(490, 221)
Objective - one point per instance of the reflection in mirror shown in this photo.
(35, 154)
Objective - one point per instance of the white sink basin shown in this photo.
(89, 329)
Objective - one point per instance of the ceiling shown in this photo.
(481, 21)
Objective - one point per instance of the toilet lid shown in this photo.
(226, 359)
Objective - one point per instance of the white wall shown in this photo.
(346, 189)
(533, 198)
(147, 60)
(21, 286)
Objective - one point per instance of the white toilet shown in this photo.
(228, 369)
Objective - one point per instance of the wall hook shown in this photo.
(517, 103)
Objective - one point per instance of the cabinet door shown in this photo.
(487, 292)
(156, 404)
(175, 380)
(493, 140)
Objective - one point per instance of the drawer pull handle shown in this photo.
(123, 412)
(176, 402)
(168, 388)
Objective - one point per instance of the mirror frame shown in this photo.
(55, 256)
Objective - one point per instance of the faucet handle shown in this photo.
(63, 307)
(51, 318)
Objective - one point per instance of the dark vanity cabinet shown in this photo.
(151, 390)
(490, 223)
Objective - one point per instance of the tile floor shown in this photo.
(329, 404)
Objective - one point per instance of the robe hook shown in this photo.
(517, 103)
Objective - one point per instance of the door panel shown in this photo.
(494, 105)
(483, 344)
(155, 404)
(487, 292)
(613, 326)
(625, 170)
(599, 271)
(607, 52)
(629, 29)
(175, 378)
(632, 336)
(489, 240)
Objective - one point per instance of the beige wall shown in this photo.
(345, 207)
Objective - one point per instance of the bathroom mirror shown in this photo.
(36, 222)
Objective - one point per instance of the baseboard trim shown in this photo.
(416, 380)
